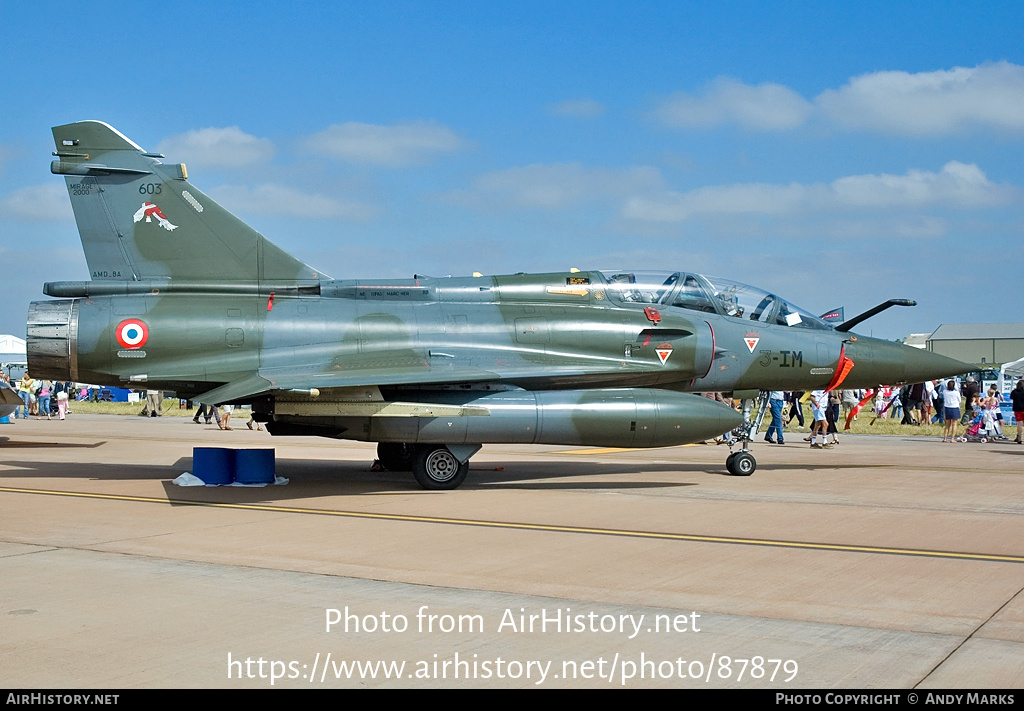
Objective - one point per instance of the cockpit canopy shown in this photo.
(696, 292)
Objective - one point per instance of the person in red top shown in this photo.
(1017, 398)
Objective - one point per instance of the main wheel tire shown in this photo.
(435, 467)
(741, 464)
(396, 456)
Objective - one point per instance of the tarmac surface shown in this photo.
(886, 562)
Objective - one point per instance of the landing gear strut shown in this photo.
(742, 463)
(396, 456)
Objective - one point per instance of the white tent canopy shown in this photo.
(1009, 374)
(12, 349)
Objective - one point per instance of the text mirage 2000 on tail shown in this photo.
(186, 297)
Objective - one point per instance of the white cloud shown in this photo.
(555, 186)
(766, 107)
(38, 203)
(957, 185)
(282, 200)
(217, 148)
(930, 103)
(579, 108)
(891, 102)
(402, 144)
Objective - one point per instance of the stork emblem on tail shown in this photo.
(149, 211)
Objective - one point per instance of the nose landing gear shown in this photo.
(742, 463)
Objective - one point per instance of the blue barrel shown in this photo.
(214, 465)
(254, 466)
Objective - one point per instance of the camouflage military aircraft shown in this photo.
(186, 297)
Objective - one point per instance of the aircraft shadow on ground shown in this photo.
(1017, 452)
(8, 443)
(317, 478)
(98, 471)
(314, 478)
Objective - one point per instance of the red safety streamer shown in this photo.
(843, 368)
(855, 410)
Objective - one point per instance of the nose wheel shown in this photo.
(741, 463)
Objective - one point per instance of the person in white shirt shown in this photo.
(926, 402)
(819, 401)
(951, 411)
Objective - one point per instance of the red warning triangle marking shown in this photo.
(751, 342)
(663, 351)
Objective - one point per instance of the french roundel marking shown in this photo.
(132, 333)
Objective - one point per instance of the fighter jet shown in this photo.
(186, 297)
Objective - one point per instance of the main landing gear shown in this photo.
(742, 463)
(435, 466)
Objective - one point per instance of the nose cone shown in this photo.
(923, 365)
(878, 362)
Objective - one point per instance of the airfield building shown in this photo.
(988, 343)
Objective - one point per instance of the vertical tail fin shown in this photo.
(141, 219)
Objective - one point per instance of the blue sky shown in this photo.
(838, 154)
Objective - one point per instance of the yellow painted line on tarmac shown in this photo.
(626, 533)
